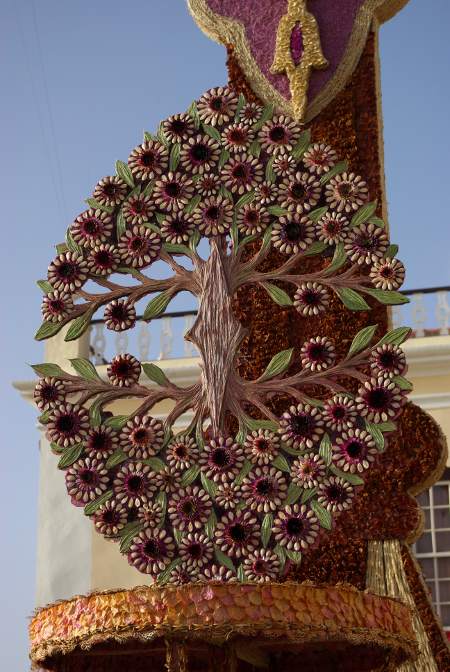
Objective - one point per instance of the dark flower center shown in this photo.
(103, 259)
(240, 172)
(138, 207)
(298, 191)
(265, 487)
(141, 436)
(238, 533)
(216, 104)
(119, 312)
(301, 424)
(220, 457)
(49, 393)
(66, 423)
(173, 189)
(99, 441)
(294, 526)
(56, 305)
(135, 484)
(387, 272)
(195, 551)
(148, 159)
(188, 507)
(278, 134)
(200, 152)
(178, 127)
(152, 549)
(339, 413)
(379, 398)
(332, 227)
(387, 360)
(259, 566)
(110, 517)
(344, 189)
(110, 190)
(317, 353)
(252, 216)
(67, 270)
(367, 243)
(335, 493)
(88, 477)
(311, 297)
(91, 226)
(262, 445)
(180, 451)
(213, 213)
(122, 368)
(178, 226)
(292, 231)
(237, 136)
(354, 448)
(138, 244)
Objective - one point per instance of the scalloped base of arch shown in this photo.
(135, 629)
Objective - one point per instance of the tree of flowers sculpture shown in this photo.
(205, 504)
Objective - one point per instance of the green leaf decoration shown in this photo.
(314, 402)
(253, 424)
(161, 499)
(294, 556)
(115, 459)
(193, 113)
(246, 469)
(79, 326)
(277, 365)
(293, 494)
(224, 156)
(270, 173)
(174, 159)
(85, 368)
(192, 205)
(58, 450)
(155, 374)
(48, 370)
(387, 426)
(127, 535)
(44, 417)
(291, 451)
(190, 475)
(266, 114)
(70, 455)
(178, 536)
(165, 574)
(317, 214)
(387, 297)
(223, 559)
(277, 210)
(276, 294)
(148, 137)
(194, 240)
(162, 137)
(157, 305)
(307, 494)
(325, 450)
(339, 259)
(245, 200)
(212, 132)
(281, 463)
(47, 330)
(72, 245)
(396, 336)
(391, 251)
(155, 463)
(121, 225)
(153, 227)
(148, 191)
(95, 414)
(116, 421)
(281, 554)
(95, 205)
(377, 221)
(340, 167)
(240, 574)
(124, 172)
(353, 479)
(302, 144)
(240, 106)
(362, 339)
(92, 507)
(160, 217)
(61, 248)
(364, 213)
(223, 191)
(267, 237)
(402, 383)
(266, 529)
(211, 525)
(351, 299)
(315, 248)
(45, 286)
(323, 516)
(255, 149)
(208, 485)
(173, 248)
(235, 234)
(377, 435)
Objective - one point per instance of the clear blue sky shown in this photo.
(80, 81)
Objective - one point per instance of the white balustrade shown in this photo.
(98, 343)
(443, 312)
(166, 338)
(418, 314)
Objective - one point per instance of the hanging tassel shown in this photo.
(176, 657)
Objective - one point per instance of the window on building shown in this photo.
(433, 548)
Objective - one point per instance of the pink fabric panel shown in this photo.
(261, 17)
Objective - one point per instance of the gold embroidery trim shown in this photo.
(312, 56)
(229, 31)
